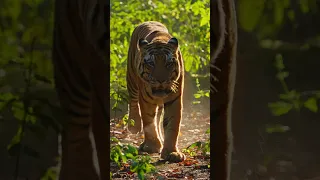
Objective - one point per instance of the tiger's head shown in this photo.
(159, 65)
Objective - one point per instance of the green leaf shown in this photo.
(114, 139)
(42, 78)
(132, 150)
(141, 174)
(208, 131)
(278, 12)
(193, 145)
(279, 62)
(130, 156)
(50, 174)
(249, 13)
(278, 128)
(205, 20)
(286, 3)
(134, 167)
(15, 140)
(311, 104)
(291, 95)
(282, 75)
(280, 108)
(18, 110)
(291, 15)
(197, 96)
(304, 6)
(196, 102)
(123, 158)
(7, 96)
(131, 122)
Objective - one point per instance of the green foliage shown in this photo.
(200, 93)
(26, 90)
(141, 166)
(276, 128)
(203, 147)
(126, 120)
(50, 174)
(121, 153)
(266, 17)
(290, 99)
(187, 20)
(249, 21)
(311, 104)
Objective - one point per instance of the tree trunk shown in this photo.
(223, 72)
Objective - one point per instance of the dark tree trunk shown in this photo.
(223, 68)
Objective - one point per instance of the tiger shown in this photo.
(155, 82)
(81, 81)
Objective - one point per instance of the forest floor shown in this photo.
(193, 128)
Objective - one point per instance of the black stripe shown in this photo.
(149, 96)
(171, 102)
(142, 74)
(75, 102)
(166, 121)
(73, 88)
(151, 115)
(77, 73)
(131, 88)
(176, 71)
(63, 64)
(77, 34)
(77, 114)
(141, 64)
(146, 100)
(73, 124)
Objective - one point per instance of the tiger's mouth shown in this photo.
(160, 92)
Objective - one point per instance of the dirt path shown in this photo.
(193, 128)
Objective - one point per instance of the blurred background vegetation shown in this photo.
(275, 114)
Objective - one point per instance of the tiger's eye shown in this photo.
(151, 63)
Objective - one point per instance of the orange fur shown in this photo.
(155, 79)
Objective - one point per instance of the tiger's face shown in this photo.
(159, 66)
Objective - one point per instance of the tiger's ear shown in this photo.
(142, 42)
(174, 41)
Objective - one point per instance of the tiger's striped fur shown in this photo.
(81, 82)
(223, 77)
(155, 80)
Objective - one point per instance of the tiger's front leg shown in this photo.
(134, 114)
(171, 125)
(152, 143)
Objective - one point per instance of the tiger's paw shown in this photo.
(151, 147)
(173, 157)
